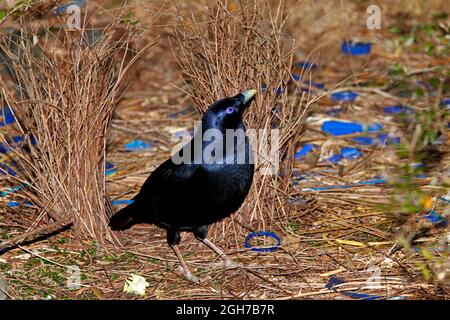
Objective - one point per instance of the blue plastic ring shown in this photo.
(262, 234)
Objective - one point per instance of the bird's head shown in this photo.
(227, 113)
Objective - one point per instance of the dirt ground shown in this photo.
(341, 240)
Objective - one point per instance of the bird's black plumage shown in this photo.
(190, 196)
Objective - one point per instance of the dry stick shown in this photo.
(45, 259)
(267, 280)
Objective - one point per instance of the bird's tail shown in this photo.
(125, 218)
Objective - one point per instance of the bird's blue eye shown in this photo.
(229, 110)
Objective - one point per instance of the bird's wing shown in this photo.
(169, 178)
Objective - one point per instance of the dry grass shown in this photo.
(237, 47)
(343, 232)
(64, 93)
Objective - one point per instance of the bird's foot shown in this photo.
(188, 275)
(230, 264)
(226, 263)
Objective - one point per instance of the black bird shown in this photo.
(208, 186)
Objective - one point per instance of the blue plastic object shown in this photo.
(7, 116)
(381, 139)
(13, 189)
(356, 48)
(339, 128)
(374, 181)
(123, 201)
(364, 140)
(346, 153)
(318, 85)
(334, 281)
(6, 170)
(4, 148)
(13, 204)
(344, 96)
(351, 153)
(446, 102)
(304, 151)
(109, 169)
(63, 9)
(444, 199)
(280, 91)
(436, 219)
(397, 109)
(334, 111)
(17, 204)
(18, 139)
(137, 145)
(277, 91)
(262, 234)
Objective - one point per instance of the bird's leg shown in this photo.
(173, 239)
(186, 272)
(228, 262)
(201, 234)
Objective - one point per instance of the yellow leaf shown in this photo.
(427, 202)
(98, 293)
(330, 273)
(351, 243)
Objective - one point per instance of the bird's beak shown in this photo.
(248, 95)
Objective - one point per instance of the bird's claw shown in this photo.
(226, 263)
(230, 264)
(188, 275)
(192, 278)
